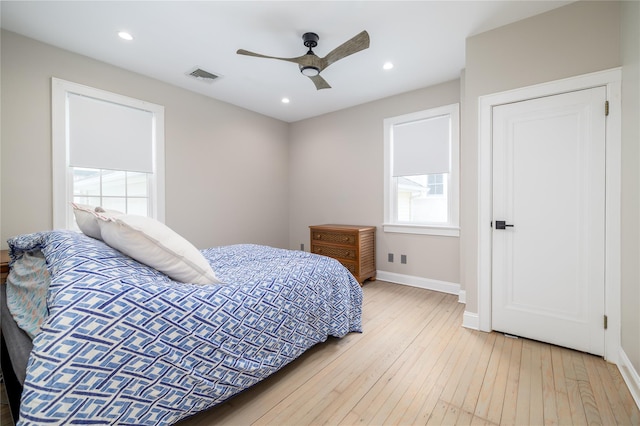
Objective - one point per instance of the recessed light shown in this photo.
(285, 100)
(387, 66)
(125, 35)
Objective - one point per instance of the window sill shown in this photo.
(447, 231)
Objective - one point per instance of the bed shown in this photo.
(125, 344)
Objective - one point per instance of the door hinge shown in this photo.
(606, 108)
(606, 322)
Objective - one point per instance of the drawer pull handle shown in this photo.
(318, 237)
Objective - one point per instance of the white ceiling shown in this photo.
(424, 39)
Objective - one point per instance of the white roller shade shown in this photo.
(422, 147)
(106, 135)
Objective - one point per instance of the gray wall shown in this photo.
(630, 219)
(226, 167)
(231, 175)
(336, 176)
(576, 39)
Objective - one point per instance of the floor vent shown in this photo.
(202, 75)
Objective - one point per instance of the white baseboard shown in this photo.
(462, 297)
(413, 281)
(471, 320)
(630, 376)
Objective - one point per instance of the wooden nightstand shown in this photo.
(4, 265)
(353, 246)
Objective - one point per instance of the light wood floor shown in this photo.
(416, 364)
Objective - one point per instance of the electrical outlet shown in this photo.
(403, 258)
(302, 246)
(390, 257)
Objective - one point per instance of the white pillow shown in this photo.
(158, 246)
(87, 220)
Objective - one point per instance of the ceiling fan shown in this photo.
(311, 65)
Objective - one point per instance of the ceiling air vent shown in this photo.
(202, 75)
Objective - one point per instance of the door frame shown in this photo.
(612, 80)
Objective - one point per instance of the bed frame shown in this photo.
(11, 383)
(15, 348)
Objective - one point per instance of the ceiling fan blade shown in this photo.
(320, 82)
(298, 60)
(311, 62)
(354, 45)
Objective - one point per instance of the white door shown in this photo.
(549, 184)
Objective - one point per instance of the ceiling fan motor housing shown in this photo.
(310, 39)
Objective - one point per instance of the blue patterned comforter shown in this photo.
(123, 344)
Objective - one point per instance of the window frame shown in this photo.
(451, 228)
(63, 173)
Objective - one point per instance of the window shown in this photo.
(435, 185)
(421, 172)
(112, 189)
(108, 151)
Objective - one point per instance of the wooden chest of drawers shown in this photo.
(353, 246)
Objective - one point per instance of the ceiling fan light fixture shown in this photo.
(310, 71)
